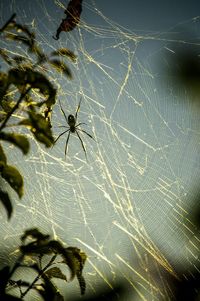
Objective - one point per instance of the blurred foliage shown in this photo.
(26, 90)
(117, 293)
(185, 69)
(37, 247)
(183, 64)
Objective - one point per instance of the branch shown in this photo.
(40, 272)
(6, 24)
(13, 109)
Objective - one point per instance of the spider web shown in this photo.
(128, 207)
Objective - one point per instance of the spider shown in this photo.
(72, 128)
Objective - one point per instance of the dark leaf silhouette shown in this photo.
(7, 105)
(50, 291)
(55, 272)
(40, 246)
(20, 38)
(5, 56)
(3, 159)
(18, 140)
(35, 244)
(14, 178)
(42, 57)
(72, 256)
(21, 28)
(4, 276)
(19, 59)
(73, 13)
(51, 247)
(37, 80)
(34, 233)
(22, 79)
(5, 200)
(61, 67)
(82, 283)
(80, 258)
(3, 85)
(40, 128)
(66, 53)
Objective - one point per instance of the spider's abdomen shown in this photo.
(72, 128)
(72, 122)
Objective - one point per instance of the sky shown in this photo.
(128, 207)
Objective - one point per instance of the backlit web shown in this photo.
(128, 207)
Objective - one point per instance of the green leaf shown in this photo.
(24, 29)
(19, 59)
(34, 248)
(55, 272)
(17, 77)
(40, 127)
(79, 259)
(18, 140)
(20, 38)
(71, 256)
(14, 178)
(65, 52)
(3, 85)
(5, 56)
(61, 67)
(7, 104)
(5, 199)
(50, 291)
(42, 58)
(34, 233)
(3, 158)
(82, 283)
(36, 80)
(25, 122)
(68, 258)
(4, 276)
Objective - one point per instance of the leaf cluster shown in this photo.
(37, 246)
(23, 88)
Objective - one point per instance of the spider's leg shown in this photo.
(78, 108)
(67, 143)
(80, 124)
(60, 136)
(81, 143)
(63, 111)
(86, 133)
(62, 126)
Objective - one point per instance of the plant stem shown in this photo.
(40, 272)
(6, 24)
(14, 109)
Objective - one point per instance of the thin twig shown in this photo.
(14, 108)
(38, 276)
(6, 24)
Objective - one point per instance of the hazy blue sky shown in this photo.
(150, 15)
(127, 208)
